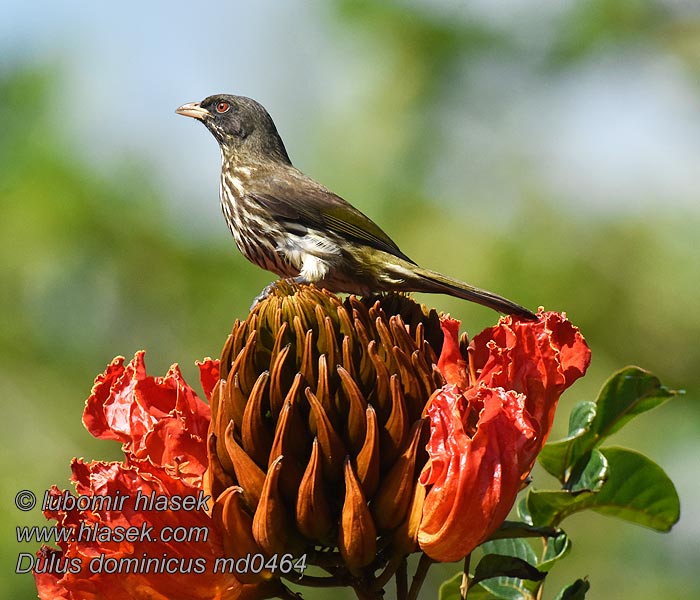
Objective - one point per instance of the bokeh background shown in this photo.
(549, 151)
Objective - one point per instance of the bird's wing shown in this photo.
(300, 202)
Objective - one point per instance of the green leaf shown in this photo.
(556, 548)
(495, 589)
(449, 589)
(642, 493)
(482, 591)
(636, 490)
(589, 474)
(576, 591)
(556, 457)
(550, 507)
(497, 565)
(522, 510)
(514, 529)
(628, 393)
(516, 547)
(506, 588)
(625, 395)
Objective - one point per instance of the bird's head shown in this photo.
(244, 129)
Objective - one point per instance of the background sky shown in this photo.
(548, 151)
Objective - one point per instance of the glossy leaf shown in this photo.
(498, 565)
(576, 591)
(556, 548)
(523, 511)
(637, 490)
(557, 456)
(506, 588)
(589, 474)
(515, 547)
(625, 395)
(514, 529)
(630, 392)
(450, 590)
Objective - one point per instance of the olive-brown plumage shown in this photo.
(289, 224)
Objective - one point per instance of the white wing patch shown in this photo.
(313, 269)
(313, 255)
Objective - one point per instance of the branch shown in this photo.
(419, 576)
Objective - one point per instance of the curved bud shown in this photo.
(248, 474)
(391, 503)
(393, 435)
(216, 479)
(272, 526)
(231, 518)
(356, 407)
(313, 512)
(291, 472)
(406, 536)
(332, 449)
(279, 378)
(367, 461)
(357, 540)
(256, 435)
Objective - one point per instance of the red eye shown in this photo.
(222, 107)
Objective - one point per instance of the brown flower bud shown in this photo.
(357, 540)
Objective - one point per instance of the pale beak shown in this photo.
(192, 109)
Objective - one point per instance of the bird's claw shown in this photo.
(267, 290)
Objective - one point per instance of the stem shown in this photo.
(387, 573)
(363, 593)
(288, 594)
(313, 581)
(464, 588)
(402, 580)
(419, 576)
(540, 587)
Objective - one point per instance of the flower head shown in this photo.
(490, 422)
(317, 421)
(333, 433)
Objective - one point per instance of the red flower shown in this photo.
(489, 423)
(132, 549)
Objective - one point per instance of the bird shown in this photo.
(288, 223)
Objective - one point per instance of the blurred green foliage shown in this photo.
(93, 266)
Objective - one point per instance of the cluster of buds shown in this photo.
(318, 432)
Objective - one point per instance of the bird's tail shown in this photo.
(436, 282)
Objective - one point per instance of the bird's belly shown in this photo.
(254, 238)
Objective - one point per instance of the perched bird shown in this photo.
(289, 224)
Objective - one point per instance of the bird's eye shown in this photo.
(222, 107)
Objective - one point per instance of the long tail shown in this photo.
(436, 282)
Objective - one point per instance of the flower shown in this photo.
(162, 425)
(334, 435)
(489, 423)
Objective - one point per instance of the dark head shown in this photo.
(242, 127)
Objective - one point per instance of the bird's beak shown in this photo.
(192, 109)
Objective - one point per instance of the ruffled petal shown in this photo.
(474, 480)
(162, 425)
(208, 375)
(485, 435)
(539, 359)
(160, 419)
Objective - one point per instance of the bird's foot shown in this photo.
(267, 290)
